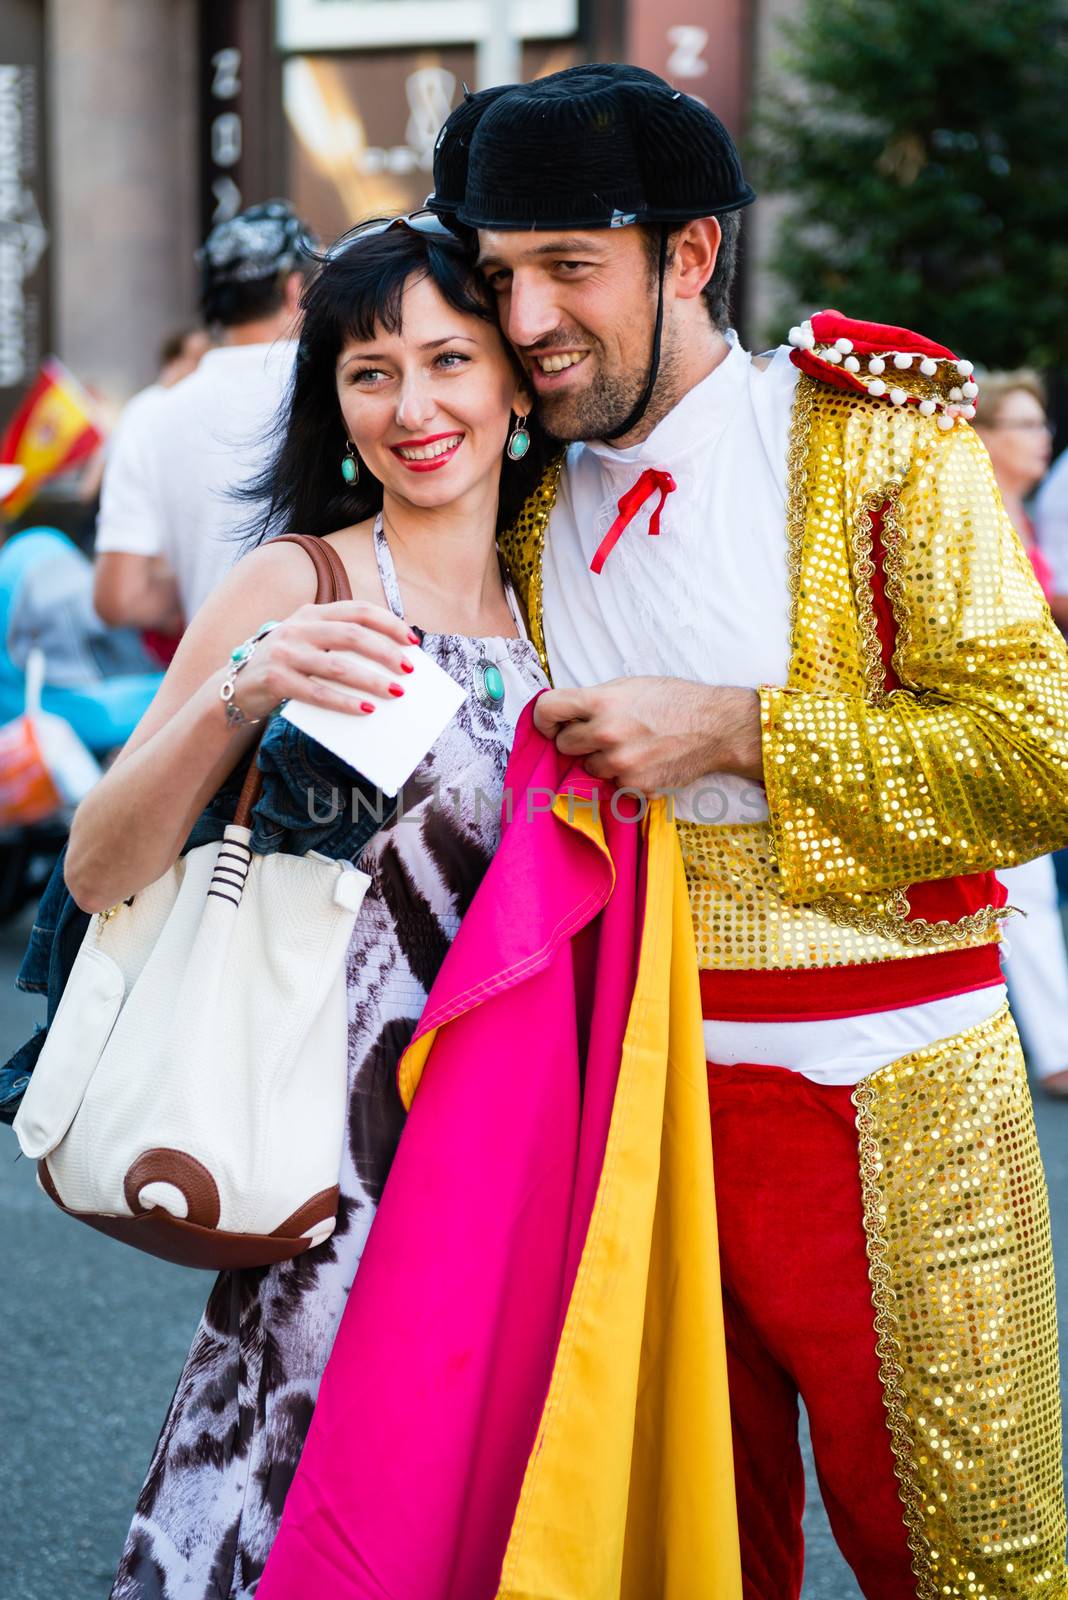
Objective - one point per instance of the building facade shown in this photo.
(127, 127)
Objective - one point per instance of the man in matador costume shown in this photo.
(784, 589)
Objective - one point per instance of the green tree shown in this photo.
(923, 145)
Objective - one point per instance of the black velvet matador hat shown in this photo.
(598, 146)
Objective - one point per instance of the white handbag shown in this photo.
(190, 1098)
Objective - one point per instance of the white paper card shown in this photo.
(387, 744)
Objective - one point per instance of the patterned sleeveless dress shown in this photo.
(213, 1497)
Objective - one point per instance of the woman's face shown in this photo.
(1018, 438)
(428, 407)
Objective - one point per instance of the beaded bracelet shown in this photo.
(240, 657)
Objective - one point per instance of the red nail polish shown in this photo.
(413, 638)
(395, 690)
(406, 666)
(365, 705)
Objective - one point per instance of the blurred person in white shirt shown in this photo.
(1013, 425)
(167, 530)
(180, 353)
(1051, 524)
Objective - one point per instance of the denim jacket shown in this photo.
(310, 801)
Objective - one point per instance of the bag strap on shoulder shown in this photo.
(333, 584)
(329, 567)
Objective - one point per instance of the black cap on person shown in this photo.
(599, 146)
(258, 243)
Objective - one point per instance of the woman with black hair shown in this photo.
(405, 445)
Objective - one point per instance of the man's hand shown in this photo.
(655, 734)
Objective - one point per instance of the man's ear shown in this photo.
(696, 249)
(294, 287)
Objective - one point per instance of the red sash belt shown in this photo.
(818, 994)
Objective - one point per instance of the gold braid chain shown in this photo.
(888, 1347)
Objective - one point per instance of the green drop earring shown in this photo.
(350, 466)
(518, 440)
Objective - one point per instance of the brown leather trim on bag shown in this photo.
(48, 1185)
(333, 584)
(187, 1245)
(317, 1209)
(182, 1172)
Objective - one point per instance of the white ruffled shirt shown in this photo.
(708, 600)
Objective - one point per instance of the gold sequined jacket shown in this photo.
(921, 737)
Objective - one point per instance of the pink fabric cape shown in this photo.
(430, 1403)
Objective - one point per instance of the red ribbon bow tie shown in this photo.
(652, 481)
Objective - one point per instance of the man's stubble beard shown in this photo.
(598, 410)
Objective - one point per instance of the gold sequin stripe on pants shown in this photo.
(957, 1222)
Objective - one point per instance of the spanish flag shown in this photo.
(53, 429)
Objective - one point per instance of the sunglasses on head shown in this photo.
(421, 221)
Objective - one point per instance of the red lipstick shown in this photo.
(434, 462)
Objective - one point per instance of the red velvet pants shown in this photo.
(799, 1320)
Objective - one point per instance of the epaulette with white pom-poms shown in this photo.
(892, 364)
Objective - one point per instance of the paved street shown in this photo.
(94, 1336)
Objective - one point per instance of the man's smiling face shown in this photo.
(579, 308)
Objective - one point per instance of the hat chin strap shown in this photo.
(641, 405)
